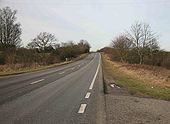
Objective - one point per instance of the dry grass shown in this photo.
(6, 70)
(139, 79)
(17, 67)
(151, 74)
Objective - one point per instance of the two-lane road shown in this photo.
(69, 94)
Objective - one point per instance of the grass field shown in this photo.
(138, 81)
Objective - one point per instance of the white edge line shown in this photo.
(94, 78)
(37, 81)
(87, 95)
(82, 108)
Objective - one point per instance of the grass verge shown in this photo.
(29, 69)
(135, 86)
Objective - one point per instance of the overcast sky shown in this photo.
(97, 21)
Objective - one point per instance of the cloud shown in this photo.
(98, 21)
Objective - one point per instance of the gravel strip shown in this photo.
(124, 109)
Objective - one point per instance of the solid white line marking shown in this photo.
(87, 95)
(94, 78)
(62, 72)
(36, 81)
(82, 108)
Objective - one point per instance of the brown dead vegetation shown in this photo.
(153, 74)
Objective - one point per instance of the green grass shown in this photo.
(134, 85)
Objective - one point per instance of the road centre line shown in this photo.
(94, 78)
(87, 95)
(37, 81)
(62, 72)
(90, 62)
(82, 108)
(59, 73)
(73, 68)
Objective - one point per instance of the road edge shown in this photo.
(101, 107)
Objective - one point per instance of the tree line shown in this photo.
(139, 45)
(43, 49)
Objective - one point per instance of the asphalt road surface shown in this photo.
(69, 94)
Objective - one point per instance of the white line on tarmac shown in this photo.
(94, 78)
(62, 72)
(87, 95)
(73, 68)
(82, 108)
(36, 81)
(89, 62)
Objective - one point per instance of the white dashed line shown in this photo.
(89, 62)
(92, 83)
(87, 95)
(62, 72)
(36, 81)
(79, 65)
(82, 108)
(73, 68)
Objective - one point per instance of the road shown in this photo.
(69, 94)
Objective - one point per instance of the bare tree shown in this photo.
(154, 49)
(84, 46)
(31, 45)
(10, 31)
(122, 45)
(43, 40)
(141, 35)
